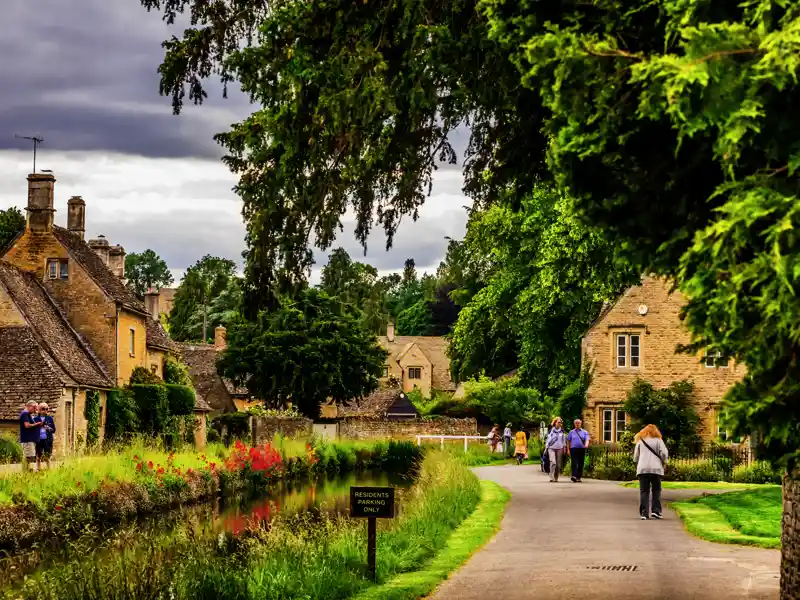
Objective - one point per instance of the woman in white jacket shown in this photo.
(650, 456)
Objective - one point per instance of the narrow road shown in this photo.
(560, 541)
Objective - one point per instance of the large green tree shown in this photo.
(669, 122)
(210, 282)
(551, 274)
(146, 270)
(311, 349)
(12, 222)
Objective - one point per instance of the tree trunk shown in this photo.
(790, 552)
(205, 324)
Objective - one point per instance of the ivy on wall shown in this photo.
(91, 411)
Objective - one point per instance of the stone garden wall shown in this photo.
(265, 428)
(370, 429)
(790, 556)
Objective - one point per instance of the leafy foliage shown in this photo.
(12, 223)
(572, 400)
(91, 412)
(141, 376)
(152, 407)
(415, 320)
(122, 419)
(146, 270)
(670, 409)
(180, 399)
(208, 296)
(550, 275)
(312, 348)
(176, 372)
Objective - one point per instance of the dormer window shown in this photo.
(58, 268)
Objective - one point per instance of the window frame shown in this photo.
(57, 268)
(617, 432)
(609, 413)
(385, 372)
(716, 360)
(624, 350)
(132, 341)
(413, 370)
(610, 430)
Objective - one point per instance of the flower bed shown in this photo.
(147, 485)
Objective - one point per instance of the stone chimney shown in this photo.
(390, 331)
(76, 216)
(116, 261)
(41, 189)
(220, 338)
(151, 297)
(100, 247)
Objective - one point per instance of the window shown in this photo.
(154, 369)
(614, 425)
(57, 268)
(385, 371)
(621, 425)
(415, 372)
(132, 342)
(629, 350)
(716, 360)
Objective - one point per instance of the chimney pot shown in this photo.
(220, 338)
(101, 247)
(151, 298)
(116, 260)
(41, 189)
(76, 216)
(390, 331)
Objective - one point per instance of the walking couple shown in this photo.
(574, 444)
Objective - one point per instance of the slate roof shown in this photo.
(43, 355)
(157, 337)
(434, 347)
(374, 405)
(201, 361)
(98, 271)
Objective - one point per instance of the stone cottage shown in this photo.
(637, 336)
(103, 325)
(417, 361)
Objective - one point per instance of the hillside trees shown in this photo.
(146, 270)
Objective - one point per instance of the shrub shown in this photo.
(213, 436)
(10, 450)
(232, 426)
(141, 376)
(670, 409)
(758, 472)
(694, 470)
(615, 467)
(152, 407)
(122, 420)
(181, 399)
(176, 372)
(572, 400)
(91, 411)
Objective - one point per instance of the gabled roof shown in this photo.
(157, 337)
(51, 329)
(434, 348)
(376, 405)
(98, 271)
(201, 361)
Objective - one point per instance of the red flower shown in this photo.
(150, 464)
(139, 467)
(77, 484)
(58, 507)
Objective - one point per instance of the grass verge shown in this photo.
(474, 532)
(750, 518)
(704, 485)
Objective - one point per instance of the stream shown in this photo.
(330, 495)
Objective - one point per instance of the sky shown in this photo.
(83, 75)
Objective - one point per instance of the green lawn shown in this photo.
(704, 485)
(751, 517)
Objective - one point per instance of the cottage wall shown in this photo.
(370, 429)
(155, 358)
(9, 314)
(128, 360)
(660, 331)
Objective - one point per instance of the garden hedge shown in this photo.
(181, 399)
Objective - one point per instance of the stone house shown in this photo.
(636, 337)
(218, 392)
(83, 284)
(417, 361)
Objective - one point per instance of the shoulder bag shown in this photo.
(661, 460)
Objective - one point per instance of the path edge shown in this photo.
(473, 533)
(716, 528)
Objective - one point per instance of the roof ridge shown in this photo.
(41, 340)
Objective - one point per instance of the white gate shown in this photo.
(328, 431)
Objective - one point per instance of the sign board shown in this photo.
(372, 502)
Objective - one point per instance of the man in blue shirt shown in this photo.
(29, 430)
(577, 443)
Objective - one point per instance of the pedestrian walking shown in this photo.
(577, 443)
(520, 446)
(494, 438)
(556, 442)
(650, 455)
(28, 433)
(545, 455)
(507, 441)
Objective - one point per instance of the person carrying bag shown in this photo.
(651, 456)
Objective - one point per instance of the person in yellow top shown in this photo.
(520, 446)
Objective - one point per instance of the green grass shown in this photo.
(704, 485)
(474, 532)
(85, 473)
(478, 455)
(751, 517)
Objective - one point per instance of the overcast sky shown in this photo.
(83, 75)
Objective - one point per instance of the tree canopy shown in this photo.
(12, 222)
(312, 349)
(146, 270)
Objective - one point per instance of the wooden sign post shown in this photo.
(371, 503)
